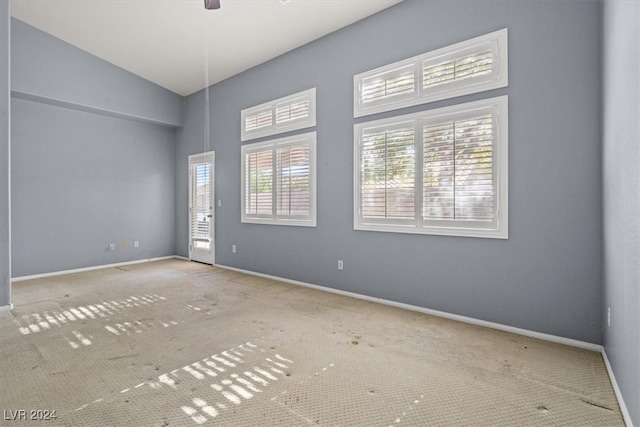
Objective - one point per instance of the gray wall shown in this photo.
(5, 158)
(621, 174)
(546, 277)
(50, 70)
(190, 141)
(83, 176)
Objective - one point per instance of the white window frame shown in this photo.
(272, 107)
(497, 229)
(273, 145)
(497, 78)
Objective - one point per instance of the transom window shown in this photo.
(293, 112)
(472, 66)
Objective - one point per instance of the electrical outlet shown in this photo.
(233, 248)
(340, 265)
(136, 244)
(112, 246)
(219, 203)
(609, 317)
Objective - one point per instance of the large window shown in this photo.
(293, 112)
(279, 181)
(442, 171)
(471, 66)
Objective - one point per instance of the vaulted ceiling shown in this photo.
(179, 45)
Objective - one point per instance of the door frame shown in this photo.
(195, 159)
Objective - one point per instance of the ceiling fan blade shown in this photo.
(212, 4)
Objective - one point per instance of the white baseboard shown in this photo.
(183, 258)
(97, 267)
(443, 314)
(626, 416)
(6, 308)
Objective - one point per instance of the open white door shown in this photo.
(201, 212)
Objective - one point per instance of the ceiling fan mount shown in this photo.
(211, 4)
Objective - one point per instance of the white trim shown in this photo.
(626, 416)
(497, 78)
(464, 319)
(6, 308)
(97, 267)
(271, 108)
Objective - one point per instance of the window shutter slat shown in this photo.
(396, 82)
(438, 169)
(388, 174)
(201, 196)
(458, 170)
(459, 68)
(293, 195)
(295, 110)
(258, 121)
(474, 163)
(258, 181)
(200, 205)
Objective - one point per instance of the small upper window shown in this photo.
(471, 66)
(293, 112)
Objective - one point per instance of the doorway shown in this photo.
(201, 212)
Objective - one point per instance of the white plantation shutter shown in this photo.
(390, 86)
(259, 182)
(472, 66)
(259, 120)
(442, 171)
(201, 203)
(298, 109)
(475, 195)
(388, 173)
(279, 181)
(294, 180)
(458, 170)
(468, 66)
(439, 171)
(293, 112)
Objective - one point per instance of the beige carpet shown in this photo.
(175, 343)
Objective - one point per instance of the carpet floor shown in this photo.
(176, 343)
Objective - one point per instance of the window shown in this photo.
(471, 66)
(442, 171)
(279, 180)
(297, 111)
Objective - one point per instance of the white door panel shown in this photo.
(201, 211)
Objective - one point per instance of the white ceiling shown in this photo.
(168, 41)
